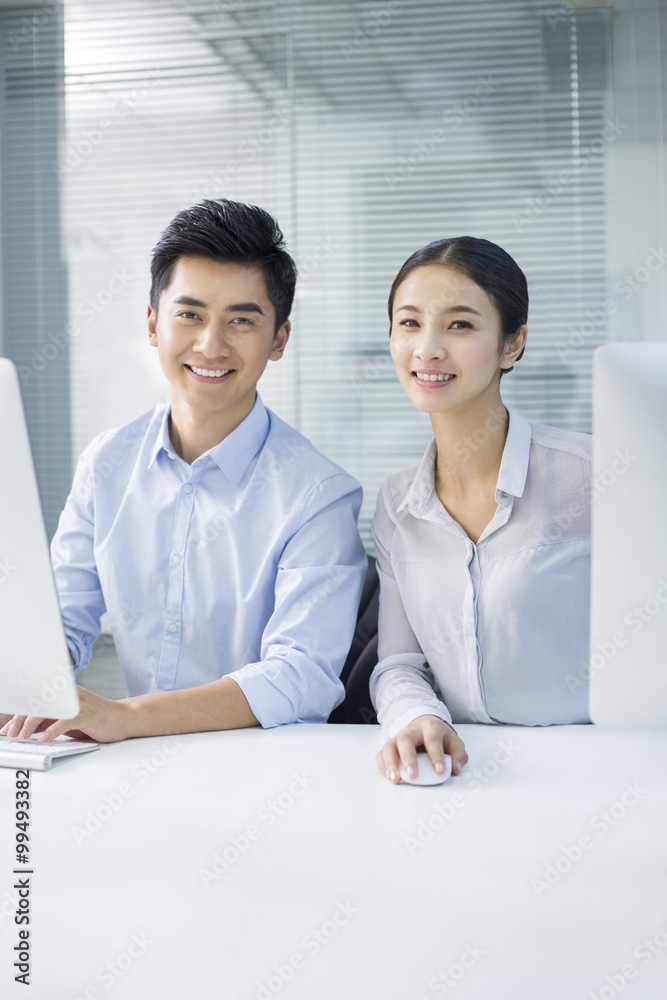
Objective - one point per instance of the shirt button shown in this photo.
(176, 559)
(504, 495)
(173, 627)
(171, 455)
(187, 488)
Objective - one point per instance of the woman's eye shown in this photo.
(412, 323)
(462, 324)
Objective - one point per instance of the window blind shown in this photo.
(368, 129)
(33, 279)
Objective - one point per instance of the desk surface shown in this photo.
(249, 865)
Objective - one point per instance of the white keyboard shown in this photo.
(23, 746)
(37, 756)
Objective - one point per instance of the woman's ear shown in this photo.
(513, 347)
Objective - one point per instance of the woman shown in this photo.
(483, 548)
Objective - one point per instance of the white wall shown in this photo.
(637, 222)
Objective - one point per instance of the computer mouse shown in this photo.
(426, 775)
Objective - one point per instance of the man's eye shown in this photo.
(188, 315)
(243, 320)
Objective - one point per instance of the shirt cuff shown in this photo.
(80, 650)
(402, 690)
(393, 728)
(279, 695)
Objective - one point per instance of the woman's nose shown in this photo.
(430, 344)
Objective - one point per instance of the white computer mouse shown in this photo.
(426, 775)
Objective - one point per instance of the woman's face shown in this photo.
(446, 340)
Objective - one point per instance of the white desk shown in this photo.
(127, 914)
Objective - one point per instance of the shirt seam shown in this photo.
(570, 448)
(298, 522)
(538, 545)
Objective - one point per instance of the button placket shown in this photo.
(171, 643)
(473, 665)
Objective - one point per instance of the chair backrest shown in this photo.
(362, 658)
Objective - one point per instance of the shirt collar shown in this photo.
(511, 476)
(514, 463)
(423, 483)
(234, 453)
(162, 442)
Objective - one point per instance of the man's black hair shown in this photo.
(228, 232)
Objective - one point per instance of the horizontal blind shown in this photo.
(368, 129)
(439, 120)
(166, 104)
(34, 288)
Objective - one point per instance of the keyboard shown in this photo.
(34, 755)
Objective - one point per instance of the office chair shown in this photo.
(362, 658)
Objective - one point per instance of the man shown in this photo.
(222, 544)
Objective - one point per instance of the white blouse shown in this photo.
(495, 631)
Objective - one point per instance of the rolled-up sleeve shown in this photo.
(402, 684)
(74, 568)
(308, 636)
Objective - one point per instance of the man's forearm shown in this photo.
(209, 707)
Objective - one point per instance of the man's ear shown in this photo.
(513, 348)
(280, 341)
(152, 326)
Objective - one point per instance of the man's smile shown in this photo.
(210, 374)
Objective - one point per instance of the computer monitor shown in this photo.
(36, 676)
(628, 653)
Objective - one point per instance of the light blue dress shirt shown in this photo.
(246, 564)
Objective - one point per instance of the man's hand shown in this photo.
(209, 707)
(429, 732)
(101, 719)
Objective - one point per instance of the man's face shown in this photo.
(214, 331)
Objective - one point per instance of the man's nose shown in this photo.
(213, 340)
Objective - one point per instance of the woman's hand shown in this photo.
(429, 732)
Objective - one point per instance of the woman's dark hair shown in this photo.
(228, 232)
(489, 266)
